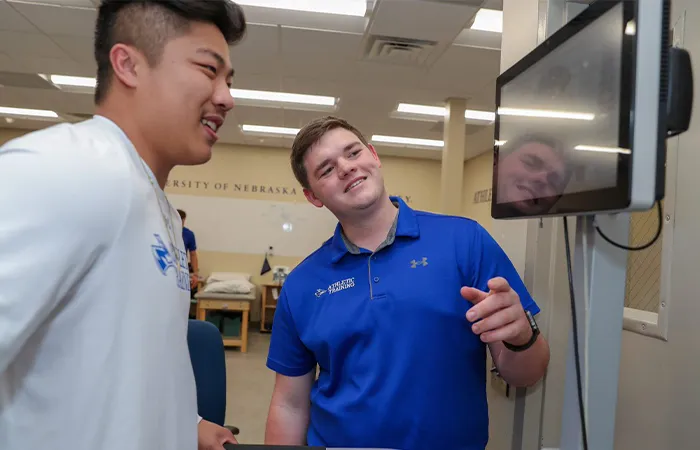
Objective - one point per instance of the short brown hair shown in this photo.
(309, 135)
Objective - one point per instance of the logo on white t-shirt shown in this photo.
(165, 260)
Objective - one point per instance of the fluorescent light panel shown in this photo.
(356, 8)
(65, 80)
(488, 116)
(488, 20)
(264, 129)
(282, 131)
(23, 112)
(242, 94)
(439, 111)
(283, 97)
(545, 114)
(407, 141)
(421, 109)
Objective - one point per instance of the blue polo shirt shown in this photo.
(399, 365)
(189, 240)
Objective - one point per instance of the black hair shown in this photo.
(183, 214)
(149, 24)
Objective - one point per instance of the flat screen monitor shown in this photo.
(580, 122)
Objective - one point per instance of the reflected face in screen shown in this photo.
(532, 177)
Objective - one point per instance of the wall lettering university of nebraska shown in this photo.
(254, 188)
(243, 188)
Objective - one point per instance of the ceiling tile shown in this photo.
(72, 3)
(52, 19)
(268, 142)
(24, 80)
(259, 39)
(6, 63)
(259, 116)
(260, 81)
(11, 20)
(78, 48)
(464, 69)
(324, 46)
(48, 65)
(29, 45)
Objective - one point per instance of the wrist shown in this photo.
(522, 339)
(526, 338)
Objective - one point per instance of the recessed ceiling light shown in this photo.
(356, 8)
(407, 141)
(440, 111)
(519, 112)
(488, 20)
(24, 112)
(245, 96)
(66, 80)
(264, 129)
(283, 97)
(292, 132)
(487, 116)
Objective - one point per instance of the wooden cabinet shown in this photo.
(205, 304)
(268, 304)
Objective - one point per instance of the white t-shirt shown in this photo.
(93, 301)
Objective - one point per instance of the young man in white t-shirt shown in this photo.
(94, 283)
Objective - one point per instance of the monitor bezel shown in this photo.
(615, 198)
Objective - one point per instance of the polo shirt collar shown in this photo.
(405, 225)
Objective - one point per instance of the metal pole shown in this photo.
(599, 271)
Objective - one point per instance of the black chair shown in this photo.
(209, 364)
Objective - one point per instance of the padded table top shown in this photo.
(217, 296)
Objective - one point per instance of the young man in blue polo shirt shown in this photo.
(396, 310)
(191, 249)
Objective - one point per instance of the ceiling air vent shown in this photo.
(394, 50)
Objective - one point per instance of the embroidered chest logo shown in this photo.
(336, 287)
(171, 258)
(162, 255)
(421, 262)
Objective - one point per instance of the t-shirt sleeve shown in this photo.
(56, 223)
(490, 261)
(287, 354)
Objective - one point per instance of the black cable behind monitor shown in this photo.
(574, 316)
(641, 247)
(574, 324)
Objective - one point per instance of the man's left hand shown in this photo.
(211, 436)
(497, 315)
